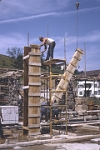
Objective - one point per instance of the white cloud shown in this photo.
(27, 18)
(94, 36)
(62, 3)
(55, 14)
(39, 15)
(88, 38)
(13, 9)
(14, 40)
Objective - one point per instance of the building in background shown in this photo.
(88, 89)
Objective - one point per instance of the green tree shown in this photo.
(17, 57)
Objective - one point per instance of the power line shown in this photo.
(28, 39)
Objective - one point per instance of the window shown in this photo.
(98, 92)
(99, 85)
(88, 85)
(80, 93)
(80, 86)
(95, 85)
(95, 93)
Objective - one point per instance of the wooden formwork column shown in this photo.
(34, 82)
(63, 84)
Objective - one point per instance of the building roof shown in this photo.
(90, 75)
(93, 73)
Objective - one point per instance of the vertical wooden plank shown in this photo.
(25, 103)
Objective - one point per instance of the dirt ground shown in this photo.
(59, 146)
(36, 147)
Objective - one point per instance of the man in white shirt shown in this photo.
(51, 43)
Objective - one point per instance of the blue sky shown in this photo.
(56, 19)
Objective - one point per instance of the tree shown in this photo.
(77, 72)
(17, 57)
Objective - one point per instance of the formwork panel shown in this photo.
(34, 78)
(34, 89)
(35, 59)
(34, 131)
(33, 121)
(34, 110)
(74, 61)
(35, 48)
(35, 69)
(70, 67)
(33, 100)
(78, 54)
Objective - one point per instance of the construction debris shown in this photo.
(11, 89)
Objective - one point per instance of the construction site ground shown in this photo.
(83, 137)
(83, 132)
(68, 146)
(54, 144)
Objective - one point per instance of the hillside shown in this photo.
(6, 62)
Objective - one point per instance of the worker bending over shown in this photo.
(48, 42)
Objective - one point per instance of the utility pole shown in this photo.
(84, 59)
(77, 7)
(65, 53)
(65, 48)
(47, 31)
(28, 39)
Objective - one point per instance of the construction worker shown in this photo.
(51, 43)
(1, 130)
(43, 110)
